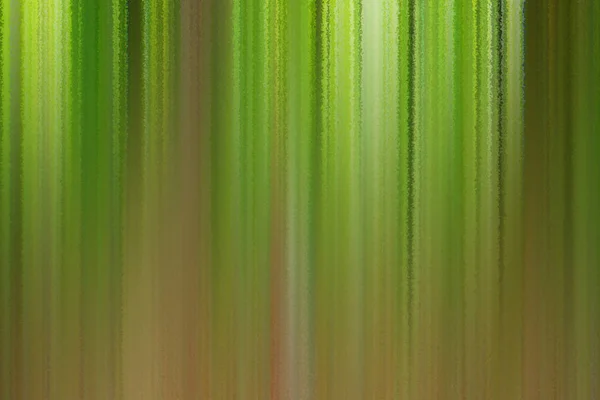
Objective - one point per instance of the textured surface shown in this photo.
(315, 199)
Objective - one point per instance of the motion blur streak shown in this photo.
(310, 199)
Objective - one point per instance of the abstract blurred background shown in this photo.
(311, 199)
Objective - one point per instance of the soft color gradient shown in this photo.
(312, 199)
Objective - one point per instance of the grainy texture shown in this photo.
(315, 199)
